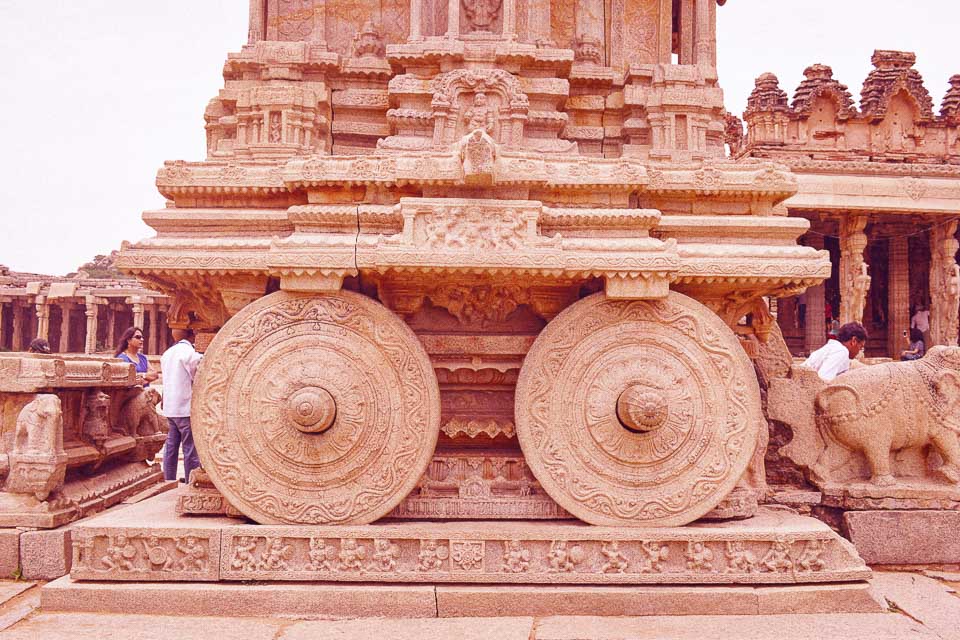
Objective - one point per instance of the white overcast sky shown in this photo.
(96, 94)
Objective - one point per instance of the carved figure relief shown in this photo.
(352, 555)
(138, 415)
(777, 558)
(654, 554)
(194, 554)
(613, 559)
(96, 419)
(740, 559)
(321, 555)
(481, 14)
(243, 554)
(432, 556)
(37, 460)
(157, 556)
(811, 558)
(516, 558)
(275, 555)
(699, 557)
(120, 554)
(564, 557)
(385, 555)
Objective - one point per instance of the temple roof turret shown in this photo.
(767, 95)
(951, 102)
(819, 81)
(893, 71)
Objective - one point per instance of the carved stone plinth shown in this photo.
(76, 435)
(146, 542)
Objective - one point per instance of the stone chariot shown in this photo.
(434, 289)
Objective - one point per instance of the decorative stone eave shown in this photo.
(804, 164)
(192, 178)
(876, 193)
(296, 55)
(219, 222)
(35, 373)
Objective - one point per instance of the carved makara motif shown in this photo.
(37, 461)
(96, 418)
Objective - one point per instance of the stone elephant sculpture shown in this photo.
(875, 411)
(895, 406)
(138, 414)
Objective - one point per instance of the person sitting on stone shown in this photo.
(917, 346)
(128, 350)
(38, 345)
(834, 358)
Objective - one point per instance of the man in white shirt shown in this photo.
(179, 365)
(834, 358)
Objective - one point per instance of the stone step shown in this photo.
(148, 542)
(333, 600)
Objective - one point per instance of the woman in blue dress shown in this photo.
(128, 350)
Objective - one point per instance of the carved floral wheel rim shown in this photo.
(315, 409)
(640, 413)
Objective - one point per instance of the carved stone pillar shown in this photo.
(65, 308)
(43, 318)
(3, 326)
(705, 45)
(944, 284)
(898, 294)
(91, 308)
(416, 17)
(453, 19)
(16, 343)
(589, 22)
(686, 32)
(816, 328)
(154, 330)
(138, 314)
(854, 278)
(538, 22)
(111, 326)
(257, 21)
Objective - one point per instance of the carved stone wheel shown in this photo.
(637, 413)
(315, 409)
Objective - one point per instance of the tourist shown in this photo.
(917, 346)
(921, 321)
(833, 358)
(178, 366)
(38, 345)
(129, 350)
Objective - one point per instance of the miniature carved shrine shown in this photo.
(479, 295)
